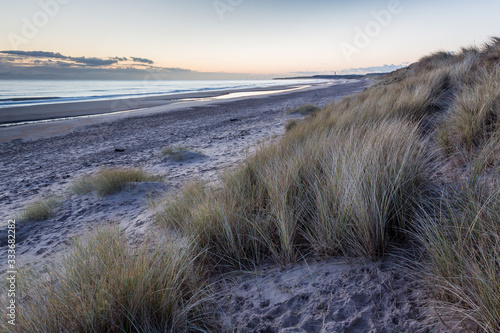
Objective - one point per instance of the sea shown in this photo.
(15, 93)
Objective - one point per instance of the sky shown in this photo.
(207, 39)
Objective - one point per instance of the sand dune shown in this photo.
(324, 296)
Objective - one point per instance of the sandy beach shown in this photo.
(41, 159)
(35, 121)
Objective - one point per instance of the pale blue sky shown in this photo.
(248, 36)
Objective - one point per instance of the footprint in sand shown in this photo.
(41, 251)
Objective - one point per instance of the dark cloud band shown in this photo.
(93, 62)
(54, 65)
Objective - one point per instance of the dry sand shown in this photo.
(326, 296)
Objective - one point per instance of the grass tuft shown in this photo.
(109, 181)
(463, 242)
(105, 285)
(290, 124)
(344, 191)
(40, 210)
(304, 110)
(474, 117)
(176, 153)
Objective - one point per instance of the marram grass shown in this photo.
(40, 210)
(108, 181)
(304, 110)
(105, 285)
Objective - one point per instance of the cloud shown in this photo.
(95, 62)
(374, 69)
(38, 54)
(306, 72)
(63, 71)
(61, 64)
(355, 71)
(54, 65)
(142, 60)
(173, 69)
(40, 65)
(92, 61)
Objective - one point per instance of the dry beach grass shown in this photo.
(108, 181)
(40, 210)
(105, 285)
(414, 159)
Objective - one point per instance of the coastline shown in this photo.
(37, 121)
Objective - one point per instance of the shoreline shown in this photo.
(32, 122)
